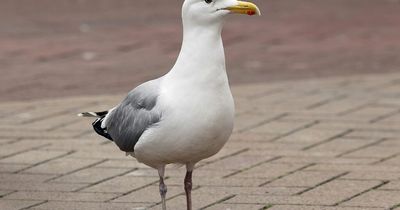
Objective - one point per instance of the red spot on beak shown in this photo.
(251, 12)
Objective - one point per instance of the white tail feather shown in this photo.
(88, 114)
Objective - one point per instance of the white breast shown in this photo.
(196, 104)
(195, 124)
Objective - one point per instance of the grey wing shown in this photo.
(137, 112)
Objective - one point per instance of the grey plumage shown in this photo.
(127, 122)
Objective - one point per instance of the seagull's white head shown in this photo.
(211, 12)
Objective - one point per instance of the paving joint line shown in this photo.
(68, 201)
(384, 85)
(34, 205)
(218, 202)
(268, 206)
(131, 191)
(288, 204)
(348, 111)
(385, 116)
(277, 117)
(57, 56)
(9, 193)
(363, 192)
(11, 141)
(14, 112)
(25, 150)
(390, 190)
(362, 147)
(266, 93)
(385, 159)
(76, 170)
(394, 207)
(328, 140)
(359, 137)
(103, 180)
(83, 133)
(383, 104)
(252, 166)
(55, 114)
(378, 130)
(302, 204)
(63, 124)
(322, 183)
(326, 101)
(45, 161)
(309, 125)
(358, 179)
(224, 157)
(287, 174)
(34, 138)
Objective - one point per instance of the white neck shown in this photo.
(202, 55)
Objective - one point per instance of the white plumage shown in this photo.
(187, 115)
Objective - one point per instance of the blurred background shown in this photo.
(51, 48)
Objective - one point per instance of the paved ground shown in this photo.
(320, 143)
(70, 47)
(310, 145)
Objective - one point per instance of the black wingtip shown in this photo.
(99, 130)
(93, 114)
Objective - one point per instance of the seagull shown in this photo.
(186, 115)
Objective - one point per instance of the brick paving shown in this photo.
(67, 47)
(299, 145)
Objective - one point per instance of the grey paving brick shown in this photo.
(304, 179)
(304, 207)
(60, 196)
(37, 186)
(33, 157)
(7, 177)
(19, 146)
(90, 175)
(376, 198)
(392, 185)
(375, 175)
(149, 194)
(11, 168)
(121, 184)
(297, 145)
(338, 191)
(235, 207)
(203, 200)
(17, 204)
(62, 166)
(62, 205)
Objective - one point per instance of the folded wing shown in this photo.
(138, 112)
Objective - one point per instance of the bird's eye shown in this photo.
(208, 1)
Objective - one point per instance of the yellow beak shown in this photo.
(244, 7)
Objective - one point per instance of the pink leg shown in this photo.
(188, 189)
(163, 188)
(189, 185)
